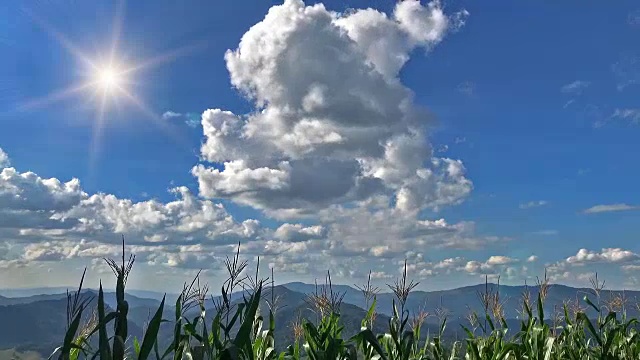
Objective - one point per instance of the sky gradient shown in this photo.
(467, 138)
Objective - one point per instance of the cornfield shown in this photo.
(239, 331)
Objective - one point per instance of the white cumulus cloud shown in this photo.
(4, 159)
(333, 124)
(610, 208)
(610, 255)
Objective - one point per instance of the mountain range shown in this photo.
(37, 321)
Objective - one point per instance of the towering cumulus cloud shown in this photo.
(333, 124)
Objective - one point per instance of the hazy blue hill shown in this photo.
(109, 297)
(39, 325)
(460, 301)
(43, 317)
(26, 292)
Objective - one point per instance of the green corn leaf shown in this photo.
(178, 312)
(367, 336)
(150, 336)
(471, 345)
(155, 349)
(243, 337)
(540, 309)
(103, 340)
(67, 345)
(136, 346)
(582, 316)
(205, 337)
(490, 322)
(118, 348)
(442, 327)
(586, 299)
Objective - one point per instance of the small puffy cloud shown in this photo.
(533, 204)
(532, 258)
(477, 267)
(496, 264)
(380, 275)
(500, 260)
(608, 255)
(450, 263)
(610, 208)
(575, 88)
(630, 115)
(298, 232)
(171, 115)
(4, 159)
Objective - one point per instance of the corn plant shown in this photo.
(237, 330)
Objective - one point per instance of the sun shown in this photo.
(108, 79)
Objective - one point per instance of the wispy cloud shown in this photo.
(631, 115)
(575, 88)
(582, 172)
(533, 204)
(627, 70)
(191, 119)
(633, 19)
(545, 232)
(468, 88)
(171, 114)
(610, 208)
(460, 140)
(568, 103)
(631, 267)
(595, 114)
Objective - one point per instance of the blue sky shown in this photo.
(533, 119)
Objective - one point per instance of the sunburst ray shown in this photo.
(56, 96)
(110, 78)
(155, 119)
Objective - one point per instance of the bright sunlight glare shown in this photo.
(108, 79)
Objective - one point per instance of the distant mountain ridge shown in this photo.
(110, 299)
(460, 301)
(22, 317)
(58, 290)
